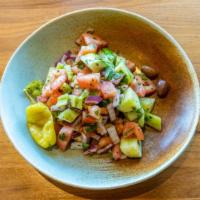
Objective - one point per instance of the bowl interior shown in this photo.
(140, 42)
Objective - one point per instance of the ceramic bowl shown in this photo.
(138, 39)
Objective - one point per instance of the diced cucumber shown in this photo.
(110, 74)
(108, 56)
(66, 88)
(61, 103)
(120, 60)
(131, 116)
(84, 94)
(138, 115)
(68, 70)
(93, 62)
(76, 101)
(122, 88)
(62, 100)
(68, 115)
(141, 120)
(153, 120)
(131, 147)
(60, 66)
(129, 101)
(147, 103)
(122, 68)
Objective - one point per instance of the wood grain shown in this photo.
(18, 180)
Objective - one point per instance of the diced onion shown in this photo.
(101, 128)
(113, 134)
(76, 145)
(91, 150)
(105, 149)
(116, 100)
(111, 112)
(93, 100)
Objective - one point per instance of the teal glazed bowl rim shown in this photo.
(147, 175)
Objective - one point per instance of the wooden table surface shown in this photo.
(18, 180)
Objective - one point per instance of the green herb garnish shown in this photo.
(62, 136)
(104, 102)
(90, 128)
(85, 146)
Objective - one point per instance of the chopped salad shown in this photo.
(94, 100)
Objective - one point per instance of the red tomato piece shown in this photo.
(89, 81)
(92, 48)
(130, 65)
(94, 39)
(53, 98)
(132, 129)
(116, 152)
(142, 87)
(64, 137)
(86, 70)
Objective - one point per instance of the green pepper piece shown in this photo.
(33, 89)
(40, 124)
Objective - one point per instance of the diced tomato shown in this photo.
(119, 125)
(53, 98)
(92, 48)
(64, 137)
(108, 90)
(130, 65)
(79, 41)
(138, 88)
(149, 86)
(57, 127)
(104, 141)
(132, 129)
(94, 39)
(86, 70)
(89, 81)
(116, 152)
(104, 111)
(142, 87)
(89, 120)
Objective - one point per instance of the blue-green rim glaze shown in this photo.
(190, 70)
